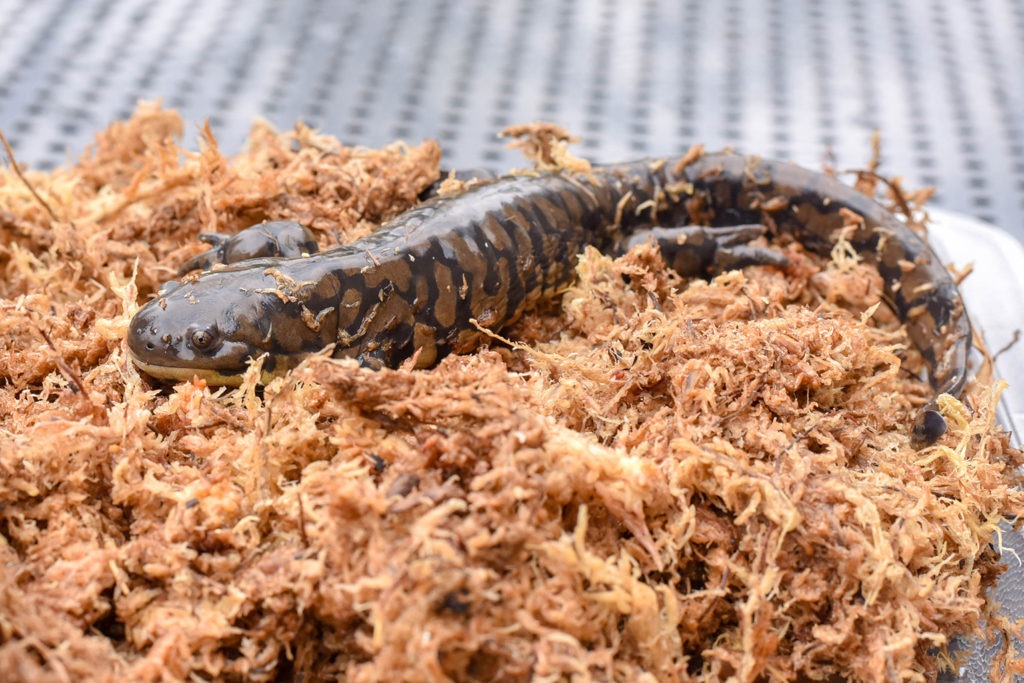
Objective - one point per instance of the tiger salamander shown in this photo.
(493, 251)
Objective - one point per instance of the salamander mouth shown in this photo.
(219, 377)
(273, 366)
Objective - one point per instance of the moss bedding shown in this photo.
(662, 480)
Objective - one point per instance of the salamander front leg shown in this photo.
(275, 239)
(466, 176)
(694, 250)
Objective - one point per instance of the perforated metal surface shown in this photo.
(803, 79)
(941, 80)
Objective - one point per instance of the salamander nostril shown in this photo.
(149, 346)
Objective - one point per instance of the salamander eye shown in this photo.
(203, 338)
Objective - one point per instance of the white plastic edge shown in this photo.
(993, 294)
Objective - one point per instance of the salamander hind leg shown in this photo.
(928, 427)
(700, 251)
(286, 239)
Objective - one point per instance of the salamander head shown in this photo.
(213, 327)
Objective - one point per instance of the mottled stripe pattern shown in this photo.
(492, 252)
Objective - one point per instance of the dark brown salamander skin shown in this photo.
(492, 252)
(273, 239)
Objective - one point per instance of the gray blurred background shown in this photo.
(942, 81)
